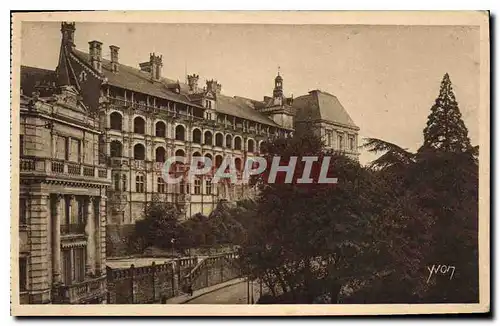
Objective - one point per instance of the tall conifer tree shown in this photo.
(445, 130)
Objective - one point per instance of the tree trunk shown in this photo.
(334, 292)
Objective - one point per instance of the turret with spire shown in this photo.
(278, 86)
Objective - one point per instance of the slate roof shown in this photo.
(33, 76)
(243, 108)
(136, 80)
(319, 105)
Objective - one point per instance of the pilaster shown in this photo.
(40, 266)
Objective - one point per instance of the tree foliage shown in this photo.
(375, 234)
(445, 130)
(159, 226)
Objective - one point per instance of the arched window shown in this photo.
(197, 136)
(197, 154)
(180, 153)
(139, 126)
(115, 149)
(180, 133)
(160, 129)
(237, 143)
(209, 156)
(139, 183)
(219, 139)
(208, 138)
(262, 146)
(218, 161)
(124, 182)
(160, 154)
(115, 121)
(161, 185)
(139, 152)
(251, 146)
(229, 141)
(237, 163)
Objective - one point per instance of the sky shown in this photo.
(386, 77)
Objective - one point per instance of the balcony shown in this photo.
(84, 292)
(72, 229)
(53, 167)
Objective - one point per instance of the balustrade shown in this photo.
(52, 166)
(80, 292)
(72, 228)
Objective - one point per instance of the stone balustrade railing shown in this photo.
(55, 167)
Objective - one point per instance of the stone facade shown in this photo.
(147, 284)
(322, 114)
(62, 200)
(146, 118)
(94, 136)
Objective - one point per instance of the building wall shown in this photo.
(60, 182)
(126, 204)
(329, 132)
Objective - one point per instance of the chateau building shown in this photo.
(62, 202)
(322, 114)
(94, 138)
(145, 118)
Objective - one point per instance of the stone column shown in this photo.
(89, 231)
(56, 244)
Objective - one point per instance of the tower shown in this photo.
(193, 82)
(278, 86)
(95, 51)
(156, 62)
(114, 57)
(68, 34)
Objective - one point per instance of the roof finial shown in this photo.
(279, 70)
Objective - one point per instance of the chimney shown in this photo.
(193, 82)
(213, 86)
(153, 66)
(114, 57)
(156, 64)
(68, 34)
(95, 55)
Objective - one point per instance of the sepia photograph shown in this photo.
(210, 163)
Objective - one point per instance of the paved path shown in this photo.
(233, 294)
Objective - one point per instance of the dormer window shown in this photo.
(208, 104)
(83, 76)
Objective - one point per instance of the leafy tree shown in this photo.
(393, 157)
(159, 226)
(302, 235)
(380, 228)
